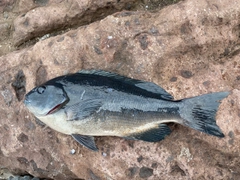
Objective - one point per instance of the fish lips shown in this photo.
(56, 108)
(60, 105)
(28, 103)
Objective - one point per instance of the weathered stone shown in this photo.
(6, 5)
(61, 15)
(145, 172)
(191, 51)
(4, 31)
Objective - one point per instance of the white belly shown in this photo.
(58, 122)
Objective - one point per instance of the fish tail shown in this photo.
(199, 112)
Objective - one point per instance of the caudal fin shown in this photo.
(199, 112)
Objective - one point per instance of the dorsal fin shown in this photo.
(148, 86)
(110, 74)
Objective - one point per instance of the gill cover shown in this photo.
(45, 99)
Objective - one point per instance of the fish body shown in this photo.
(99, 103)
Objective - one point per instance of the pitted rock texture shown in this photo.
(61, 15)
(189, 48)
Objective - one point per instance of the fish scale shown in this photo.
(98, 103)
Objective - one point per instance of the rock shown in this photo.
(4, 31)
(145, 172)
(61, 15)
(6, 5)
(22, 178)
(191, 51)
(130, 172)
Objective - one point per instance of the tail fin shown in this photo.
(199, 112)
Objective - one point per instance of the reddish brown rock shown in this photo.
(60, 15)
(4, 31)
(191, 51)
(6, 5)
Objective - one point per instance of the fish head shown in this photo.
(45, 99)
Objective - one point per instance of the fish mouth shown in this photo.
(59, 106)
(56, 108)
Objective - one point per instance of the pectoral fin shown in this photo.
(87, 141)
(82, 109)
(152, 135)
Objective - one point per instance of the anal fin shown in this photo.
(87, 141)
(152, 135)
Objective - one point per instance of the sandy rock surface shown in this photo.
(189, 48)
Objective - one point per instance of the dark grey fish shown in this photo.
(99, 103)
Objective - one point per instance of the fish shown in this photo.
(99, 103)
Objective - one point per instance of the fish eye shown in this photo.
(41, 89)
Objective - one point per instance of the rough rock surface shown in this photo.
(191, 51)
(61, 15)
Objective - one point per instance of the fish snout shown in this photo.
(26, 100)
